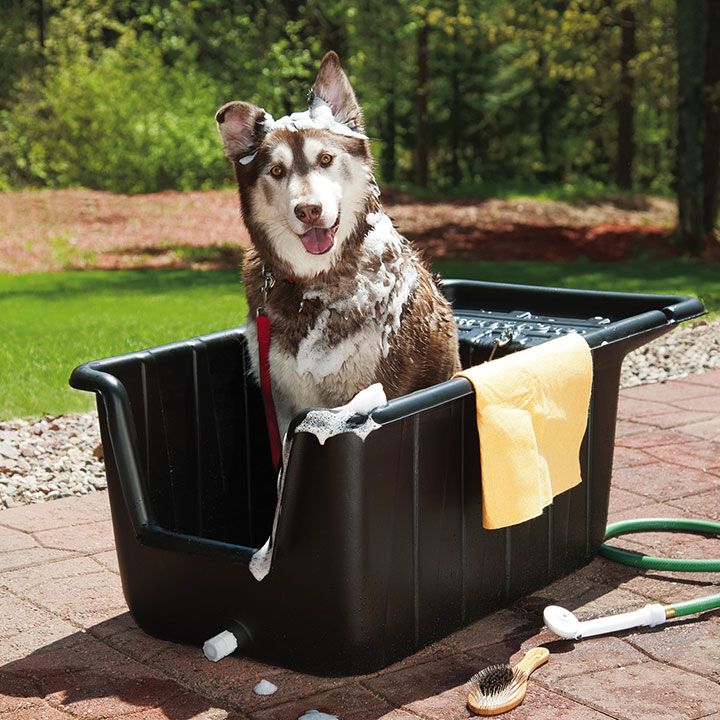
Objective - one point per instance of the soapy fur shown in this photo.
(365, 311)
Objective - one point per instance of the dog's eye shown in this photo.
(325, 159)
(277, 171)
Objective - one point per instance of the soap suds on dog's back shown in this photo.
(382, 235)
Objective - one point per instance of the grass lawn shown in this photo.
(53, 322)
(676, 276)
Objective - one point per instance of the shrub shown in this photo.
(125, 122)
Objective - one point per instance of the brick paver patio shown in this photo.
(69, 649)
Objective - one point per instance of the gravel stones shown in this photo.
(49, 457)
(689, 349)
(46, 458)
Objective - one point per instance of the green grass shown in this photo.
(53, 322)
(677, 276)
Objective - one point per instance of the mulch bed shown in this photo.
(60, 229)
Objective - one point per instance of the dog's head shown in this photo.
(304, 179)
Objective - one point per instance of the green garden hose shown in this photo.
(648, 562)
(566, 625)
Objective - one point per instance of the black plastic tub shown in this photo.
(380, 547)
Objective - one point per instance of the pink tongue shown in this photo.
(318, 240)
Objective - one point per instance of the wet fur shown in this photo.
(422, 351)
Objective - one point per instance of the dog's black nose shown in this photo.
(308, 213)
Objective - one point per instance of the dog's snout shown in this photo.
(308, 213)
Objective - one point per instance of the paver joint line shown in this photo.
(70, 556)
(40, 607)
(590, 705)
(556, 691)
(664, 661)
(689, 495)
(42, 582)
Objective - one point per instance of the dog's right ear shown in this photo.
(241, 127)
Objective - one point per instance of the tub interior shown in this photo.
(202, 440)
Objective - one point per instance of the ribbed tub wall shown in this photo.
(440, 513)
(205, 463)
(423, 563)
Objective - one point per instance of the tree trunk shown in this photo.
(625, 106)
(334, 34)
(456, 102)
(547, 96)
(41, 31)
(385, 49)
(292, 15)
(422, 133)
(544, 113)
(691, 35)
(711, 146)
(388, 159)
(456, 125)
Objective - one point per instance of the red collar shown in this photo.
(263, 337)
(262, 322)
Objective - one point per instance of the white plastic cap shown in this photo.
(220, 646)
(562, 622)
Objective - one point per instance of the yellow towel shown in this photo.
(532, 411)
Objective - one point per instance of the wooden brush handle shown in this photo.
(533, 660)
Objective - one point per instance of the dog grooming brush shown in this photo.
(499, 688)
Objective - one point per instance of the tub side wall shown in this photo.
(380, 548)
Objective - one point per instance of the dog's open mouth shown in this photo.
(319, 240)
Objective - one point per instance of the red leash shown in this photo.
(263, 335)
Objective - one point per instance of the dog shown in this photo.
(350, 301)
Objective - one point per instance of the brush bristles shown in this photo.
(495, 686)
(493, 679)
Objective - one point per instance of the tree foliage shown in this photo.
(120, 94)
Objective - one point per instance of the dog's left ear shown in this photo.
(332, 86)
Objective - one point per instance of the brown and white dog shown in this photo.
(351, 302)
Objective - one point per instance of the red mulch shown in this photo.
(57, 229)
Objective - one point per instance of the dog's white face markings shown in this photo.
(313, 148)
(305, 177)
(319, 186)
(281, 155)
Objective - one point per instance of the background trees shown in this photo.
(466, 95)
(698, 25)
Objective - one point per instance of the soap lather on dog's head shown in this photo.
(304, 178)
